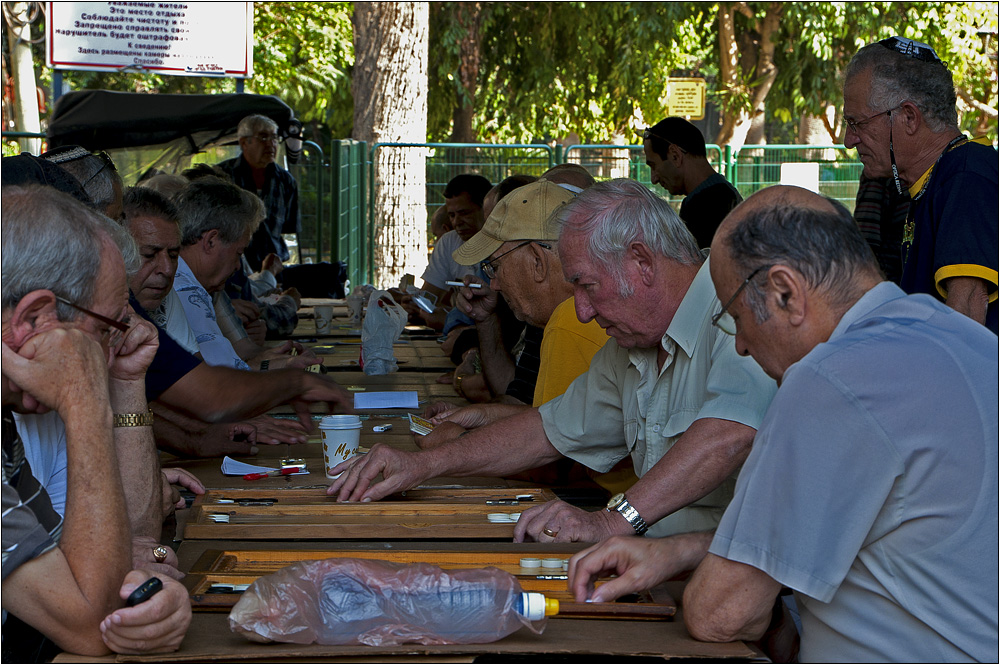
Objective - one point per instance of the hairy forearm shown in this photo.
(219, 394)
(138, 462)
(702, 458)
(498, 365)
(502, 448)
(95, 539)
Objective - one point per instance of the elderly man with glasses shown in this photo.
(677, 160)
(256, 171)
(899, 108)
(669, 390)
(870, 495)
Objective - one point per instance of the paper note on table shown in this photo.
(396, 399)
(231, 467)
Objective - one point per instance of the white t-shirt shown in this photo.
(442, 267)
(44, 438)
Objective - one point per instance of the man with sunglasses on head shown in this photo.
(677, 160)
(899, 108)
(669, 390)
(256, 171)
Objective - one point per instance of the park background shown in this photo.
(396, 98)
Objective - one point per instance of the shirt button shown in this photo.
(656, 428)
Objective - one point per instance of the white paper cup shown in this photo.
(341, 437)
(323, 315)
(356, 306)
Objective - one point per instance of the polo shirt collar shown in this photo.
(876, 296)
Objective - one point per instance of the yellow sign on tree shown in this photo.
(686, 97)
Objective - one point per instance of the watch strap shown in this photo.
(629, 512)
(142, 419)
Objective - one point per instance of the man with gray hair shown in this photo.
(669, 389)
(256, 171)
(875, 502)
(899, 107)
(70, 345)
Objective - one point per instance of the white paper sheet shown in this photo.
(396, 399)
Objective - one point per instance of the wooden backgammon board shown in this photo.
(218, 577)
(424, 513)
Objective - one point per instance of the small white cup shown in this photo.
(323, 315)
(341, 437)
(356, 306)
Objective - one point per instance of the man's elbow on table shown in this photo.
(727, 601)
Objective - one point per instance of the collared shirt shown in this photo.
(280, 195)
(624, 405)
(871, 488)
(170, 316)
(200, 311)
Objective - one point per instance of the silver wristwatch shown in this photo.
(619, 503)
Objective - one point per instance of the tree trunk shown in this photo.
(470, 18)
(390, 106)
(23, 72)
(738, 120)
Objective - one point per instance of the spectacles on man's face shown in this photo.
(116, 330)
(854, 125)
(723, 320)
(489, 266)
(265, 138)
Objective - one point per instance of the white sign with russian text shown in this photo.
(178, 38)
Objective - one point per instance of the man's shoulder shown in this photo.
(971, 158)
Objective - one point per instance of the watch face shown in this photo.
(615, 500)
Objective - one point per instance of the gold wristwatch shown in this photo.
(144, 419)
(619, 503)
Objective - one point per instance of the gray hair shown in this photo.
(252, 124)
(96, 173)
(824, 246)
(52, 241)
(897, 78)
(615, 213)
(210, 203)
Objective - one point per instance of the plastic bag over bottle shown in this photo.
(383, 324)
(380, 603)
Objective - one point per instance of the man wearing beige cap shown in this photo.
(518, 250)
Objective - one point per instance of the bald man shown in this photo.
(868, 493)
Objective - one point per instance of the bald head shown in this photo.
(809, 233)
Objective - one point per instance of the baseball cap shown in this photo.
(524, 214)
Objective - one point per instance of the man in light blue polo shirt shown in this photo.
(871, 489)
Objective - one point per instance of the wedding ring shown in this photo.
(550, 533)
(160, 553)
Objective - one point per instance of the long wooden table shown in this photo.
(264, 539)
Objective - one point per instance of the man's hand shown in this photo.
(136, 352)
(280, 358)
(173, 478)
(256, 331)
(478, 304)
(569, 524)
(400, 471)
(272, 263)
(155, 626)
(439, 408)
(271, 431)
(294, 294)
(247, 311)
(59, 369)
(468, 417)
(639, 563)
(143, 557)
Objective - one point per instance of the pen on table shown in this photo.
(269, 474)
(471, 286)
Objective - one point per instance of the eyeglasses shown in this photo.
(853, 125)
(106, 163)
(723, 320)
(489, 266)
(265, 138)
(119, 328)
(911, 49)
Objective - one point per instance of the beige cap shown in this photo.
(524, 214)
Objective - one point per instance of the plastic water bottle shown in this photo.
(378, 603)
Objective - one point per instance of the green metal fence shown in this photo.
(832, 168)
